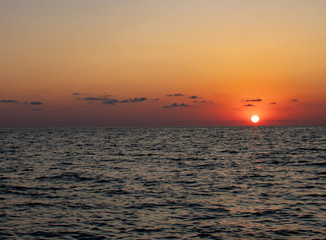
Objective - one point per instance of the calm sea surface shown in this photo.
(163, 183)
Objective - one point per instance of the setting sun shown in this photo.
(151, 63)
(255, 119)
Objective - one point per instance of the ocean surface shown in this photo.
(163, 183)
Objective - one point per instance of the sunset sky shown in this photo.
(74, 63)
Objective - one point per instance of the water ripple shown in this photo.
(163, 183)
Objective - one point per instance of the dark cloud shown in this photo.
(254, 100)
(95, 98)
(193, 97)
(8, 101)
(155, 100)
(173, 105)
(295, 100)
(135, 100)
(204, 101)
(249, 105)
(175, 95)
(111, 101)
(36, 103)
(76, 94)
(273, 103)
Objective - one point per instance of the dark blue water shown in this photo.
(163, 183)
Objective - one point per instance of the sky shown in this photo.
(126, 63)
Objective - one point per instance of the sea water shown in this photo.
(163, 183)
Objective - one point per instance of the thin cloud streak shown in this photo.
(95, 98)
(8, 101)
(254, 100)
(175, 95)
(174, 105)
(35, 103)
(111, 102)
(130, 100)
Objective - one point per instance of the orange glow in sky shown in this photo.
(162, 63)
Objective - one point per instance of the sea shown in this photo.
(163, 183)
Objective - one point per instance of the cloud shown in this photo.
(155, 100)
(204, 101)
(36, 103)
(173, 105)
(249, 105)
(79, 94)
(95, 98)
(193, 97)
(295, 100)
(135, 100)
(175, 95)
(273, 103)
(8, 101)
(254, 100)
(111, 101)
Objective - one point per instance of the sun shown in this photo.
(255, 119)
